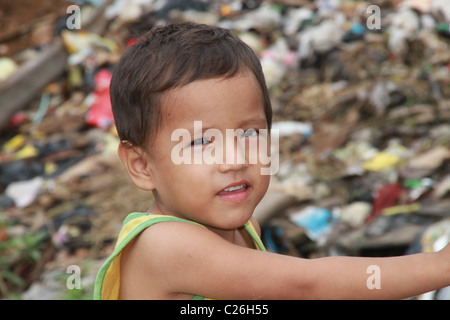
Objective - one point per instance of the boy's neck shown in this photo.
(228, 235)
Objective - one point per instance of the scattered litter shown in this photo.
(317, 221)
(436, 236)
(363, 116)
(100, 112)
(381, 161)
(287, 128)
(7, 68)
(23, 193)
(356, 213)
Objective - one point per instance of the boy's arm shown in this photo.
(381, 278)
(195, 260)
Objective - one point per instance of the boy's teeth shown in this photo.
(235, 188)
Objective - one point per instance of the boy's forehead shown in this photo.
(208, 99)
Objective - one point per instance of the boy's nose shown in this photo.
(234, 156)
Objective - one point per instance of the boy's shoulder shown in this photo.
(156, 255)
(176, 240)
(169, 233)
(169, 258)
(163, 239)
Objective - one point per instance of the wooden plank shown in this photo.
(33, 76)
(29, 80)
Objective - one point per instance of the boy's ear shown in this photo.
(136, 163)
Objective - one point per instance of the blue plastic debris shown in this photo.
(316, 220)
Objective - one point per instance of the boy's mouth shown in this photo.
(238, 191)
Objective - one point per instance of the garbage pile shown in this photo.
(361, 98)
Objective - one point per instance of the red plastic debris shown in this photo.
(17, 119)
(386, 197)
(100, 113)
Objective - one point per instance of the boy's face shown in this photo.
(208, 175)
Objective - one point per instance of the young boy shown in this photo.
(198, 239)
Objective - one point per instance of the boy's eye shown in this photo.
(250, 133)
(200, 141)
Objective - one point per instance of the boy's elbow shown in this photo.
(302, 284)
(305, 288)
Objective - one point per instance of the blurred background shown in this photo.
(361, 97)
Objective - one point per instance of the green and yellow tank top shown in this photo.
(107, 283)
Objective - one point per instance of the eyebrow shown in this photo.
(253, 121)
